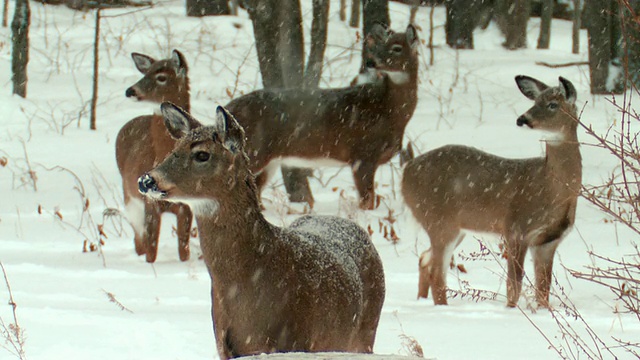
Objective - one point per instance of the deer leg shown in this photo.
(437, 275)
(263, 177)
(363, 174)
(135, 214)
(543, 265)
(296, 183)
(424, 264)
(516, 251)
(184, 217)
(152, 216)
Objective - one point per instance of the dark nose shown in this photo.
(522, 120)
(370, 63)
(130, 92)
(146, 183)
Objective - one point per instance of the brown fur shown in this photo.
(144, 142)
(317, 285)
(361, 126)
(530, 202)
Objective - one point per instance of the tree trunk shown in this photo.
(200, 8)
(575, 31)
(263, 14)
(415, 5)
(373, 11)
(545, 24)
(20, 52)
(5, 13)
(279, 44)
(460, 23)
(319, 28)
(511, 17)
(96, 68)
(343, 10)
(354, 22)
(604, 40)
(290, 43)
(631, 43)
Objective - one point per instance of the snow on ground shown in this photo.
(161, 311)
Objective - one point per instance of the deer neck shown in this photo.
(235, 233)
(402, 96)
(564, 162)
(183, 97)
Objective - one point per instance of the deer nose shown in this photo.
(147, 184)
(522, 120)
(130, 92)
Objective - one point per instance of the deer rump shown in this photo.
(329, 263)
(348, 125)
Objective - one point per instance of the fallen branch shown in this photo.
(575, 63)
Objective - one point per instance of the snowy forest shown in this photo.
(319, 179)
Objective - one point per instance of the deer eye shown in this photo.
(201, 156)
(161, 79)
(396, 49)
(552, 106)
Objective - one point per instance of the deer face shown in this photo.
(203, 166)
(554, 107)
(390, 52)
(162, 80)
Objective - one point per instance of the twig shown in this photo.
(555, 66)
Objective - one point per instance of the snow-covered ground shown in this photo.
(111, 304)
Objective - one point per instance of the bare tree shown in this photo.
(5, 13)
(199, 8)
(462, 18)
(279, 42)
(512, 18)
(603, 26)
(577, 24)
(373, 11)
(20, 52)
(354, 22)
(319, 29)
(545, 24)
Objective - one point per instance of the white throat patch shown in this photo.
(397, 77)
(553, 138)
(200, 207)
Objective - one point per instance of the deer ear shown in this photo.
(530, 87)
(412, 37)
(143, 62)
(230, 132)
(178, 60)
(177, 121)
(569, 90)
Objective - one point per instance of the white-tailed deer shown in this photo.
(144, 142)
(529, 202)
(317, 285)
(360, 126)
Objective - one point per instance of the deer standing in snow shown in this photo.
(529, 202)
(361, 126)
(317, 285)
(144, 142)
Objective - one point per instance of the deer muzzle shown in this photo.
(523, 120)
(148, 186)
(131, 92)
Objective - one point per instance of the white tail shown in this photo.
(530, 202)
(317, 285)
(144, 142)
(361, 126)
